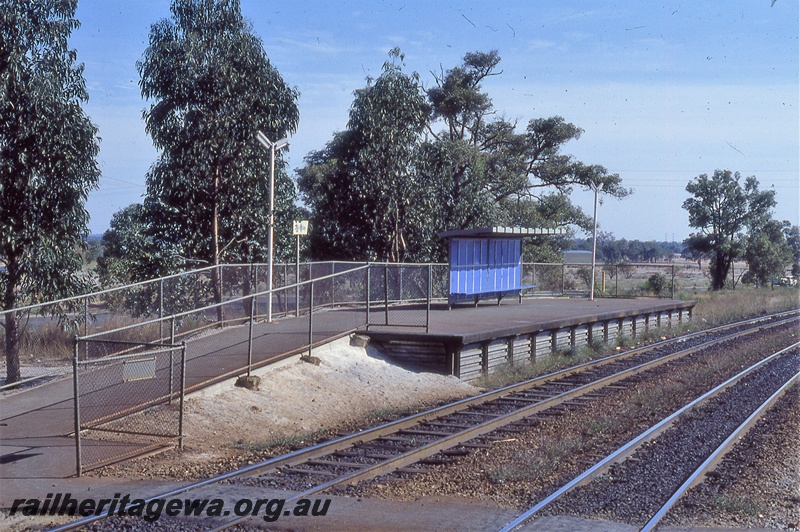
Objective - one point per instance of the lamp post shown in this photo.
(594, 188)
(272, 147)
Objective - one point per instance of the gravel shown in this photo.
(635, 490)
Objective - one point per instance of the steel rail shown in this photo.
(316, 451)
(716, 457)
(632, 446)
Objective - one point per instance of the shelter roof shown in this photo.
(503, 232)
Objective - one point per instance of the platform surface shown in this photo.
(466, 324)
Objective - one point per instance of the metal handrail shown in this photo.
(161, 279)
(224, 303)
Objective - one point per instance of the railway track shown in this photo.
(654, 470)
(441, 435)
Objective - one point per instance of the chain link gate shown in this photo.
(128, 403)
(400, 295)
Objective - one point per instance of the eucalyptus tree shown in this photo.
(383, 189)
(768, 252)
(481, 170)
(48, 166)
(722, 209)
(362, 188)
(211, 87)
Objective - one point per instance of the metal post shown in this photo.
(400, 293)
(86, 325)
(77, 405)
(616, 280)
(271, 233)
(333, 284)
(310, 317)
(86, 316)
(386, 292)
(369, 268)
(594, 242)
(673, 281)
(250, 335)
(297, 279)
(161, 309)
(563, 277)
(171, 374)
(222, 295)
(183, 394)
(430, 293)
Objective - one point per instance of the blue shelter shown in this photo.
(487, 262)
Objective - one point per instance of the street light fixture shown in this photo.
(272, 147)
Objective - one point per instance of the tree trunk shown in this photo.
(12, 322)
(721, 268)
(12, 348)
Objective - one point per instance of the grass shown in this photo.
(280, 443)
(726, 306)
(736, 505)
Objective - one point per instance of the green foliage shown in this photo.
(211, 87)
(362, 188)
(611, 250)
(129, 254)
(382, 190)
(48, 164)
(792, 235)
(657, 283)
(722, 209)
(767, 253)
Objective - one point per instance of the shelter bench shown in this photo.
(476, 295)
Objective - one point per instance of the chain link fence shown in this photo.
(126, 404)
(618, 280)
(46, 331)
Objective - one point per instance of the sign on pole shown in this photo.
(299, 227)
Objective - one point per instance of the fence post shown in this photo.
(77, 406)
(86, 316)
(673, 281)
(250, 335)
(183, 394)
(333, 283)
(171, 374)
(563, 277)
(386, 293)
(86, 324)
(430, 293)
(369, 268)
(616, 280)
(400, 293)
(161, 309)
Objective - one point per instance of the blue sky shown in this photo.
(665, 91)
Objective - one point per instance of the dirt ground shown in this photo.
(295, 398)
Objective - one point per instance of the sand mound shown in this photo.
(298, 397)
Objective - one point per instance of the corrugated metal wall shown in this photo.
(478, 359)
